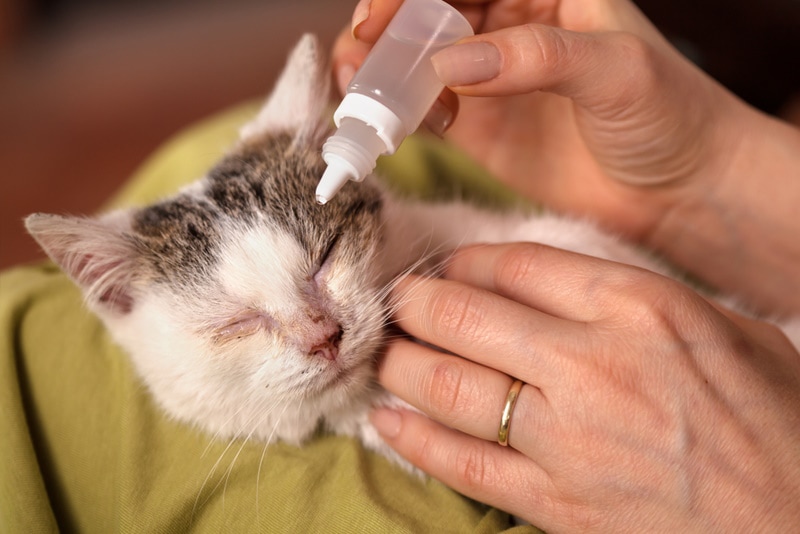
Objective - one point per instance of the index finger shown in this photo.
(371, 17)
(552, 280)
(488, 329)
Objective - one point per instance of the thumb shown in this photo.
(595, 70)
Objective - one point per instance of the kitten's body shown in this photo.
(250, 310)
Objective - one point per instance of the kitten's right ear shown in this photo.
(299, 99)
(95, 253)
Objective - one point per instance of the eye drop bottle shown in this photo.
(391, 93)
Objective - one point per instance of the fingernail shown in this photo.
(468, 63)
(344, 75)
(360, 14)
(439, 118)
(387, 422)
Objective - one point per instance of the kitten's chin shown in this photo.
(343, 385)
(345, 381)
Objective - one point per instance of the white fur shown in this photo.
(416, 228)
(263, 385)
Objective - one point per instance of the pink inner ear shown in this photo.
(117, 299)
(95, 253)
(106, 281)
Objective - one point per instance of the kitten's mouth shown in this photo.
(337, 375)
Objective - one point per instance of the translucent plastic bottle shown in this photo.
(391, 93)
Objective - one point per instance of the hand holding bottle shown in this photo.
(589, 110)
(391, 92)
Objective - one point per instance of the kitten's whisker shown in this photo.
(223, 454)
(208, 477)
(258, 479)
(229, 470)
(266, 446)
(217, 434)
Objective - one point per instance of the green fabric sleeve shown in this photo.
(84, 449)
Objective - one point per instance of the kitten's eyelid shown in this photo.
(241, 325)
(323, 267)
(326, 255)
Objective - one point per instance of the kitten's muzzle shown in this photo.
(329, 348)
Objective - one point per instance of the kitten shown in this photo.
(251, 311)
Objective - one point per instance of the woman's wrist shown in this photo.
(738, 229)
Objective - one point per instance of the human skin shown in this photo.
(645, 407)
(592, 112)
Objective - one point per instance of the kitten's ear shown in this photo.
(299, 99)
(95, 253)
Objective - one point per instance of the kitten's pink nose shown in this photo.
(328, 349)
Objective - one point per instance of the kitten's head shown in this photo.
(245, 306)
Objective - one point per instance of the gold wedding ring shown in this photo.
(508, 411)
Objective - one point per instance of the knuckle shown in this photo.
(632, 50)
(649, 302)
(458, 312)
(476, 467)
(547, 47)
(446, 389)
(515, 268)
(422, 452)
(657, 304)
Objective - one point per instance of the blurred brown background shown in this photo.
(88, 88)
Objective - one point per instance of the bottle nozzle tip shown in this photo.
(332, 180)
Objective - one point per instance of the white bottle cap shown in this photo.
(386, 123)
(391, 92)
(351, 154)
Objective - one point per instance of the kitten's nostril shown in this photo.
(328, 349)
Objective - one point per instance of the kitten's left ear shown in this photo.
(299, 98)
(95, 253)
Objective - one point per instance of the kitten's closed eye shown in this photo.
(328, 252)
(241, 325)
(325, 260)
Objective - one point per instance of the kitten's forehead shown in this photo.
(275, 177)
(260, 266)
(269, 182)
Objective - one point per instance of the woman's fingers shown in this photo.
(488, 329)
(498, 476)
(370, 18)
(349, 54)
(554, 281)
(592, 69)
(464, 396)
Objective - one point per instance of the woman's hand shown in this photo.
(586, 108)
(577, 100)
(644, 406)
